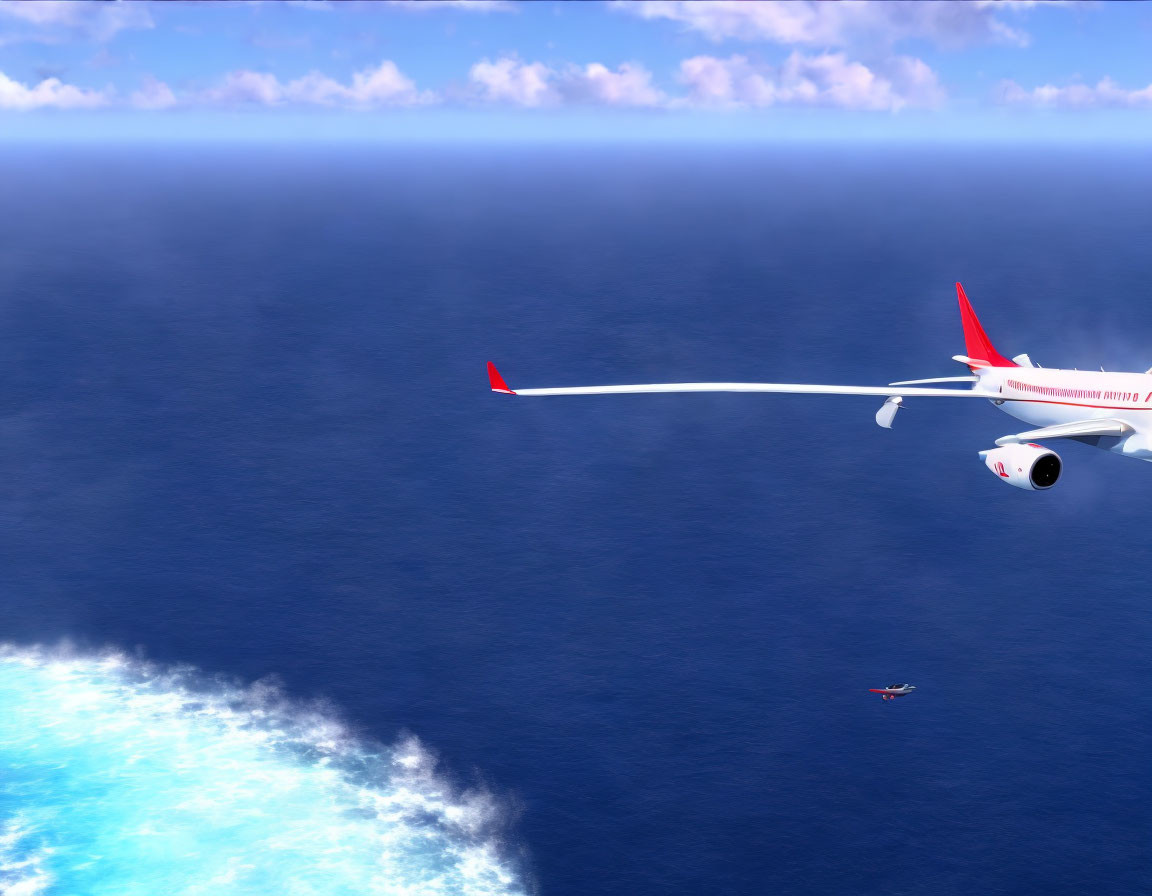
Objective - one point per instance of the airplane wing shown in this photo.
(1078, 429)
(498, 385)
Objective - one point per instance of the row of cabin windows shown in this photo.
(1073, 393)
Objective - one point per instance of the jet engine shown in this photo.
(1030, 466)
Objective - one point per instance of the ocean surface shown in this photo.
(291, 603)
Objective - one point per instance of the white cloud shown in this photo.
(413, 6)
(153, 94)
(827, 79)
(245, 86)
(533, 84)
(1105, 93)
(51, 93)
(50, 20)
(383, 85)
(629, 85)
(508, 80)
(841, 23)
(469, 5)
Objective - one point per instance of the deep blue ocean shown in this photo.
(575, 646)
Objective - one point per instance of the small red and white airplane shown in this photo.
(893, 691)
(1108, 410)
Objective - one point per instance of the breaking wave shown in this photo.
(121, 777)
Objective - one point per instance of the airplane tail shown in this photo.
(976, 343)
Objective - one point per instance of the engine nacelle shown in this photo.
(1032, 467)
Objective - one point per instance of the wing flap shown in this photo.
(1078, 429)
(938, 379)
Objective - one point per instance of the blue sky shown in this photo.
(627, 70)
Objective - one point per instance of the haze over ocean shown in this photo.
(245, 425)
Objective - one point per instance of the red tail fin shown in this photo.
(976, 342)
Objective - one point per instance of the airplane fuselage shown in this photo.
(1047, 397)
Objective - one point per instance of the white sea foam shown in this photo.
(121, 777)
(22, 863)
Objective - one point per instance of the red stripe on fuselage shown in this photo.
(1074, 404)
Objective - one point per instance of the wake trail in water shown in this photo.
(122, 777)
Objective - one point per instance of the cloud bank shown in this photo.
(375, 87)
(947, 23)
(383, 85)
(827, 79)
(48, 21)
(51, 93)
(534, 84)
(1106, 93)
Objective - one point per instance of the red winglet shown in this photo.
(497, 381)
(976, 342)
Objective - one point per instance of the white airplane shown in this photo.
(893, 691)
(1108, 410)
